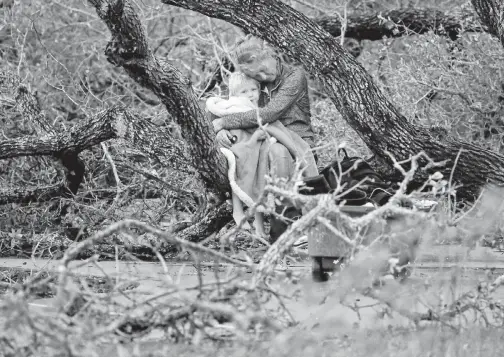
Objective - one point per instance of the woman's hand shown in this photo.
(223, 138)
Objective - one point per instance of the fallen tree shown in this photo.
(115, 123)
(129, 49)
(386, 131)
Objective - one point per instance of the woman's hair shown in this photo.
(251, 49)
(237, 80)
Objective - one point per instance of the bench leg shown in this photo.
(323, 267)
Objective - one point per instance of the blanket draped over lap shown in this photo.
(251, 150)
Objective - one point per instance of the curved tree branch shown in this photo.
(352, 90)
(129, 49)
(116, 123)
(99, 128)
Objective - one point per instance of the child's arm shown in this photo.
(233, 105)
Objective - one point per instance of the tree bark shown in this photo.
(213, 221)
(30, 108)
(353, 91)
(154, 141)
(491, 13)
(81, 137)
(403, 22)
(129, 49)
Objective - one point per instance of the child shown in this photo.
(250, 145)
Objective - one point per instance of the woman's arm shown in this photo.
(292, 88)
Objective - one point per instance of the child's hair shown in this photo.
(237, 80)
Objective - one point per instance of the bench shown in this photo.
(325, 249)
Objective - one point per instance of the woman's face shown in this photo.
(250, 91)
(262, 70)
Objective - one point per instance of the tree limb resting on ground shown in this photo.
(129, 49)
(103, 126)
(30, 108)
(156, 142)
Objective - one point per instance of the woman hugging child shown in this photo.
(248, 156)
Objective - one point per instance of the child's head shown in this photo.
(242, 86)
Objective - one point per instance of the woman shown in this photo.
(284, 97)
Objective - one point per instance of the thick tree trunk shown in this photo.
(353, 91)
(403, 22)
(129, 49)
